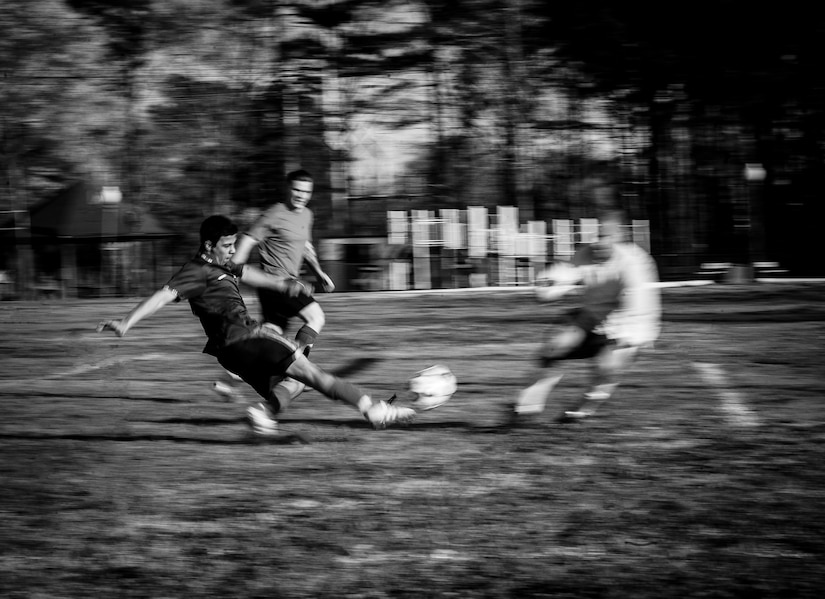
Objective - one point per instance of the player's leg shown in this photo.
(560, 346)
(314, 320)
(261, 361)
(608, 366)
(277, 309)
(310, 312)
(379, 413)
(227, 387)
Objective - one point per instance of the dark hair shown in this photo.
(299, 175)
(215, 227)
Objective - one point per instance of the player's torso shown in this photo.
(285, 235)
(604, 282)
(222, 290)
(220, 307)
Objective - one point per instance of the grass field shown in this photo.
(123, 476)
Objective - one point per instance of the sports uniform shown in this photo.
(257, 353)
(620, 313)
(620, 303)
(254, 352)
(282, 235)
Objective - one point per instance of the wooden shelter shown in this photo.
(87, 241)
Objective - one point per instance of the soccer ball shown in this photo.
(554, 282)
(433, 386)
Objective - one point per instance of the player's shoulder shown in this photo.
(267, 220)
(275, 211)
(192, 273)
(636, 260)
(632, 251)
(194, 264)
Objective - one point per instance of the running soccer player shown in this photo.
(620, 313)
(257, 353)
(283, 236)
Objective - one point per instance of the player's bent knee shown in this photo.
(618, 358)
(313, 315)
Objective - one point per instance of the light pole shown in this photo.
(754, 177)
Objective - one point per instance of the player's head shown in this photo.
(218, 235)
(611, 232)
(299, 189)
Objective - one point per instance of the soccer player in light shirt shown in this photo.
(619, 315)
(283, 236)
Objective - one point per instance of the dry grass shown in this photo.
(123, 477)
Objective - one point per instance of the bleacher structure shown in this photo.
(479, 248)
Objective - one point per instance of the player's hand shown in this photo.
(326, 283)
(296, 287)
(112, 325)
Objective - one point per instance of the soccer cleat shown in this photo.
(260, 421)
(575, 415)
(382, 414)
(533, 399)
(587, 406)
(226, 392)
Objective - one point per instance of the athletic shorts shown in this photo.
(261, 359)
(593, 341)
(590, 347)
(278, 307)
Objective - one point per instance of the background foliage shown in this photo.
(199, 106)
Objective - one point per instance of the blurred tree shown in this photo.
(127, 24)
(202, 105)
(713, 93)
(51, 101)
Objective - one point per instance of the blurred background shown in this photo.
(453, 142)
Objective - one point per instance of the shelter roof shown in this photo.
(86, 212)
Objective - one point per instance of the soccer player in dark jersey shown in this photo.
(283, 236)
(257, 353)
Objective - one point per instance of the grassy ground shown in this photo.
(124, 477)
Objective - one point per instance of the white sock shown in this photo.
(364, 403)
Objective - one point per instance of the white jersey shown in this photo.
(623, 291)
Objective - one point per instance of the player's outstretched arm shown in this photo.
(144, 309)
(255, 277)
(311, 260)
(558, 281)
(243, 248)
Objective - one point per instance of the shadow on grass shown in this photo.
(245, 438)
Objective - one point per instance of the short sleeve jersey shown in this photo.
(282, 234)
(603, 284)
(215, 298)
(621, 294)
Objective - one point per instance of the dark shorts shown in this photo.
(593, 342)
(258, 359)
(590, 347)
(279, 308)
